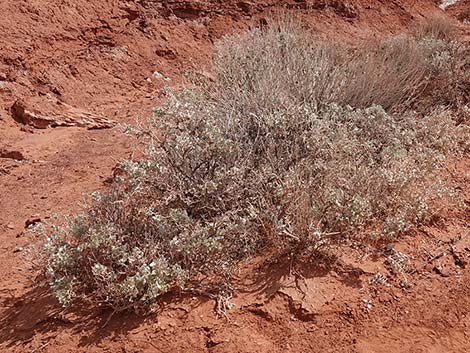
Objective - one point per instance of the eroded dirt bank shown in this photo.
(112, 59)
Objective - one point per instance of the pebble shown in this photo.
(32, 221)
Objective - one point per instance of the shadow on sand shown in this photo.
(37, 312)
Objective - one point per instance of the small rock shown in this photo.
(18, 250)
(17, 155)
(27, 129)
(55, 90)
(10, 226)
(3, 76)
(59, 114)
(156, 74)
(442, 271)
(32, 221)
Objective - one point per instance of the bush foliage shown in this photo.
(296, 145)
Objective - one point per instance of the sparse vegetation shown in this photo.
(297, 145)
(450, 77)
(439, 28)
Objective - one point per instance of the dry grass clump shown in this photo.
(291, 147)
(449, 60)
(439, 28)
(392, 73)
(297, 69)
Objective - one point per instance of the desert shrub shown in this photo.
(394, 73)
(449, 61)
(277, 153)
(439, 28)
(449, 72)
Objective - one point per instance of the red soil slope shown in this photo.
(113, 58)
(460, 10)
